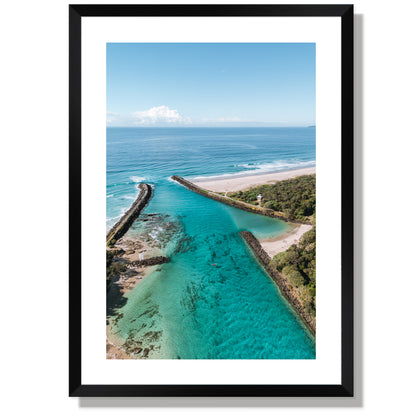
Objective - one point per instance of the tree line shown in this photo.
(295, 198)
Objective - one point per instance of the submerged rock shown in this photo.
(151, 262)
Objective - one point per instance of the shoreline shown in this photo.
(129, 261)
(114, 351)
(243, 183)
(255, 209)
(116, 348)
(132, 252)
(281, 281)
(273, 246)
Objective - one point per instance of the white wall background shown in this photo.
(34, 192)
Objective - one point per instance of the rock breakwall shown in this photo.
(280, 280)
(122, 226)
(152, 261)
(232, 202)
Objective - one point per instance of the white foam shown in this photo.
(137, 179)
(123, 211)
(111, 221)
(278, 166)
(115, 218)
(253, 169)
(154, 234)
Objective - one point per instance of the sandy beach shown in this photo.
(115, 352)
(283, 242)
(245, 182)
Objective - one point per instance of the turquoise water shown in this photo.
(213, 300)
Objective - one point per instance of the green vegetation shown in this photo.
(111, 243)
(295, 198)
(298, 265)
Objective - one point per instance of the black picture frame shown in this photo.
(76, 388)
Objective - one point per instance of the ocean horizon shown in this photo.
(213, 300)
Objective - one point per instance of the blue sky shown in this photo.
(210, 84)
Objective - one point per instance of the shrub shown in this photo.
(293, 275)
(285, 258)
(294, 197)
(305, 294)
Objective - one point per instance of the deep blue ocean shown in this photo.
(213, 300)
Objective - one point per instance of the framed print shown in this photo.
(211, 200)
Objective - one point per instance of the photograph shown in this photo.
(211, 201)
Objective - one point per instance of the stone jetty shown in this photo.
(123, 225)
(280, 280)
(152, 261)
(255, 209)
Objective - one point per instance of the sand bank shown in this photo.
(245, 182)
(283, 242)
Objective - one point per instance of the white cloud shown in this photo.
(161, 114)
